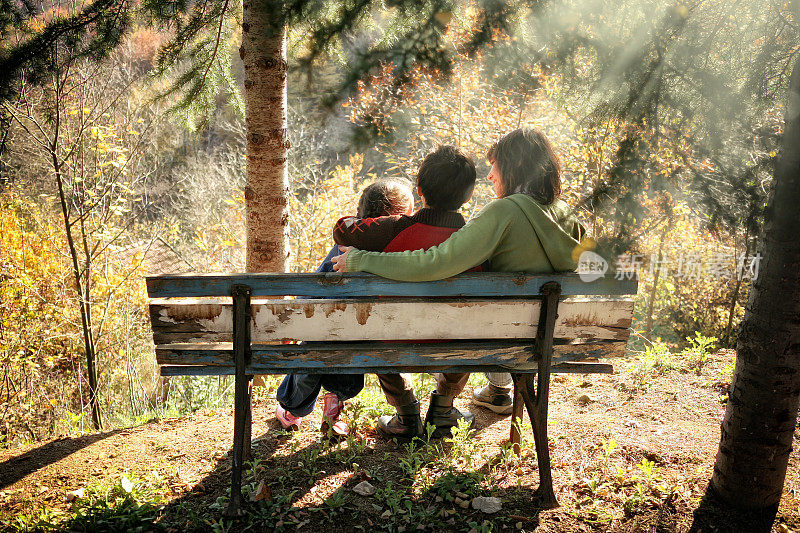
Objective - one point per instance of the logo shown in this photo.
(591, 266)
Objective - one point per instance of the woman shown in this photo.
(526, 229)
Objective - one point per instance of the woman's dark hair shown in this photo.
(385, 197)
(527, 165)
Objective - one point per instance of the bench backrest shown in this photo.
(488, 320)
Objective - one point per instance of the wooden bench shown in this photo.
(216, 324)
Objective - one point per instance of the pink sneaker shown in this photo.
(331, 410)
(287, 419)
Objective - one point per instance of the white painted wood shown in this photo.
(209, 320)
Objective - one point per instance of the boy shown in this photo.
(445, 181)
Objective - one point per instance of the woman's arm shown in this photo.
(467, 247)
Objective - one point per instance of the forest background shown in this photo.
(153, 177)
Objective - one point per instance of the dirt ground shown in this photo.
(601, 426)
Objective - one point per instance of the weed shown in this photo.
(370, 403)
(608, 446)
(656, 360)
(413, 459)
(696, 354)
(464, 445)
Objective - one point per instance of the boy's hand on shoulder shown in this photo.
(368, 233)
(340, 261)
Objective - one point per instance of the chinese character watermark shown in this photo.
(592, 266)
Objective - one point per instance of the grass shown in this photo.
(658, 359)
(126, 502)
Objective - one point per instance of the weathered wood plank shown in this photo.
(335, 285)
(196, 320)
(563, 368)
(334, 357)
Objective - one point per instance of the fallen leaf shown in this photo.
(262, 492)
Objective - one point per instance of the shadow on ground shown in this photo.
(18, 467)
(308, 486)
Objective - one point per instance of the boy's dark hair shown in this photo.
(385, 197)
(446, 178)
(527, 165)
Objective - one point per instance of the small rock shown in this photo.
(586, 384)
(75, 494)
(631, 423)
(585, 399)
(487, 504)
(365, 488)
(126, 484)
(462, 495)
(464, 504)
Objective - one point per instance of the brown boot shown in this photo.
(444, 416)
(406, 424)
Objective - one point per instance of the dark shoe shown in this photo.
(406, 424)
(496, 399)
(444, 416)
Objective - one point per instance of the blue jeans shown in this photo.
(298, 393)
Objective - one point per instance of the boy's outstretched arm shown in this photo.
(372, 234)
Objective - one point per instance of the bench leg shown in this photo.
(516, 413)
(536, 397)
(241, 406)
(536, 405)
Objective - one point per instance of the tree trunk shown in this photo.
(82, 288)
(651, 305)
(82, 277)
(735, 296)
(266, 193)
(762, 410)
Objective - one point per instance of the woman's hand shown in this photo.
(340, 261)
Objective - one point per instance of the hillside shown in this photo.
(632, 451)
